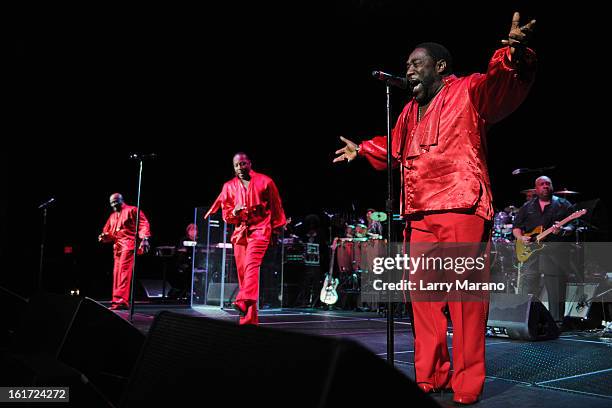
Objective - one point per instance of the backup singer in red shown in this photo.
(439, 145)
(252, 203)
(120, 229)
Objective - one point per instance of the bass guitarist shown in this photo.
(545, 210)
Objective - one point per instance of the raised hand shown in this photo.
(348, 152)
(145, 246)
(519, 35)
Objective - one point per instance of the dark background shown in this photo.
(89, 85)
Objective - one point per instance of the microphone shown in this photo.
(391, 79)
(46, 203)
(139, 156)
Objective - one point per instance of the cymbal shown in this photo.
(379, 216)
(510, 209)
(565, 191)
(529, 190)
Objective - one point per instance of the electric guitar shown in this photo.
(524, 251)
(329, 295)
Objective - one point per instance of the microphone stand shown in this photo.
(140, 160)
(389, 209)
(43, 206)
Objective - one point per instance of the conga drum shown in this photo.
(344, 255)
(373, 248)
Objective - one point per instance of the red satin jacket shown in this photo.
(442, 158)
(121, 228)
(264, 209)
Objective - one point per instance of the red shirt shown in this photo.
(264, 209)
(443, 157)
(121, 228)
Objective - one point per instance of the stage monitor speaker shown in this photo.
(154, 288)
(83, 334)
(187, 358)
(230, 291)
(12, 307)
(520, 317)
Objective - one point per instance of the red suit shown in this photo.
(120, 228)
(251, 237)
(446, 197)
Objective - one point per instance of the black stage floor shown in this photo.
(573, 370)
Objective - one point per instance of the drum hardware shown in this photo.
(511, 209)
(379, 216)
(565, 192)
(503, 222)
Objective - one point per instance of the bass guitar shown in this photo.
(329, 295)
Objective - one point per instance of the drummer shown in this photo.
(361, 230)
(349, 231)
(374, 227)
(529, 193)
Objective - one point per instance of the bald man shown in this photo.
(545, 210)
(120, 229)
(251, 202)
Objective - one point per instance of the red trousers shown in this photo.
(248, 261)
(469, 318)
(122, 278)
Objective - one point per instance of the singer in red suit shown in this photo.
(120, 229)
(439, 144)
(251, 202)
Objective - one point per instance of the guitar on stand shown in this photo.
(329, 296)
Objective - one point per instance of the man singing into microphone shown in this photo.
(120, 229)
(251, 202)
(439, 144)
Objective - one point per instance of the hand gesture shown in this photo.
(144, 246)
(104, 237)
(348, 152)
(238, 209)
(518, 36)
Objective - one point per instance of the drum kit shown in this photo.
(355, 252)
(503, 222)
